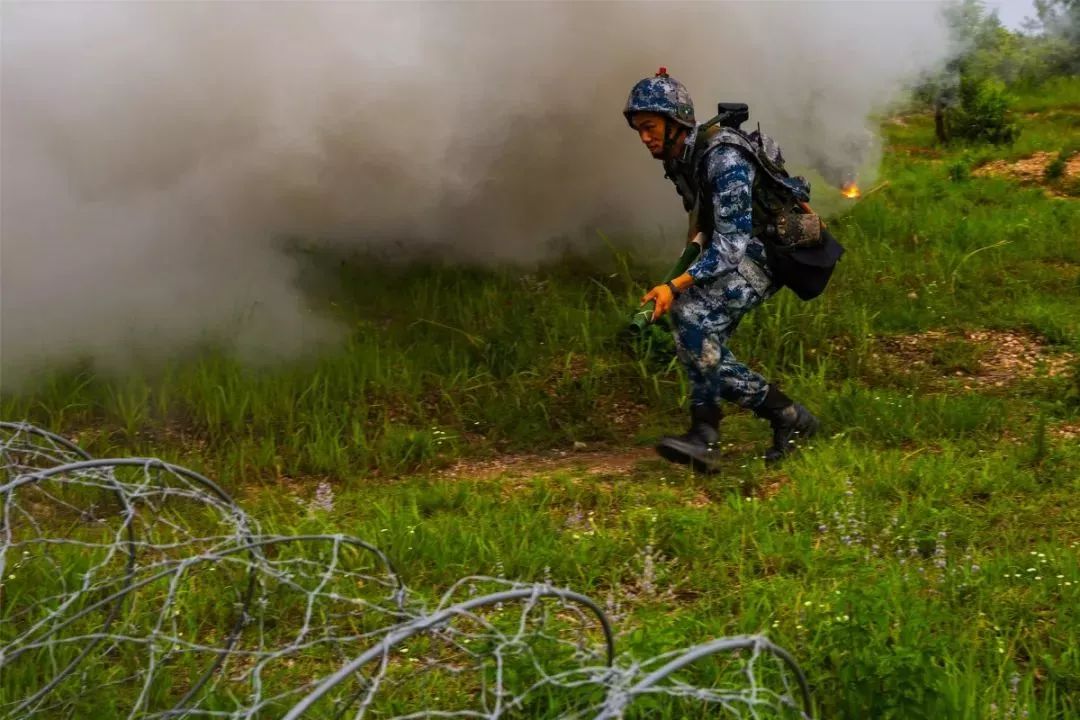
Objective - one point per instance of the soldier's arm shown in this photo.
(730, 178)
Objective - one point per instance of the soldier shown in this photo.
(730, 277)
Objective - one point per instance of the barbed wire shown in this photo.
(135, 588)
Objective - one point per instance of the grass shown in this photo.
(1057, 94)
(919, 561)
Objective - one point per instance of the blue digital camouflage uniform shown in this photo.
(731, 277)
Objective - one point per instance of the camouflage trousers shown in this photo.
(705, 316)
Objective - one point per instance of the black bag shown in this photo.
(806, 270)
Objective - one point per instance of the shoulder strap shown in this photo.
(711, 137)
(714, 137)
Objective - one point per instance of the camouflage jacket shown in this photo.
(728, 175)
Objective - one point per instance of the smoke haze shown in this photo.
(154, 154)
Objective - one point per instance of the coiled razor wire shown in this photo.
(134, 588)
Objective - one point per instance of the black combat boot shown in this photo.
(791, 423)
(696, 447)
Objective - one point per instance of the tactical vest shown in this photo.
(779, 214)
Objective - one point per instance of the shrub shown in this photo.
(983, 112)
(1056, 169)
(1072, 394)
(960, 170)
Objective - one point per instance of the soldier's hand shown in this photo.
(663, 296)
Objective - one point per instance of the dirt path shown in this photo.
(1032, 170)
(615, 461)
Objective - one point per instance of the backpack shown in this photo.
(802, 253)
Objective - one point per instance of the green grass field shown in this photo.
(920, 560)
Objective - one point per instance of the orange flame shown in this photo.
(851, 190)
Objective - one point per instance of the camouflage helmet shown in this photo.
(661, 94)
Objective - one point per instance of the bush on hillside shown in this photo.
(982, 113)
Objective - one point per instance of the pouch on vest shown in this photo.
(795, 229)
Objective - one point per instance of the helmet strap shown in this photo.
(671, 132)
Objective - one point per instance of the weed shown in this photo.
(960, 170)
(1055, 169)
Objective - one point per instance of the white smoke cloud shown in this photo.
(154, 154)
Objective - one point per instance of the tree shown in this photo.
(1058, 21)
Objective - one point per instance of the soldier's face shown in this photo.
(651, 128)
